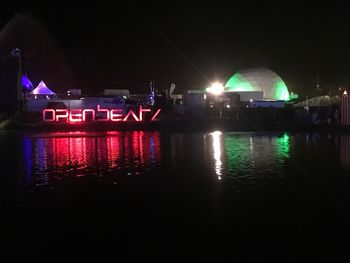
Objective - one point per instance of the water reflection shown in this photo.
(248, 156)
(253, 158)
(283, 146)
(56, 155)
(345, 150)
(217, 152)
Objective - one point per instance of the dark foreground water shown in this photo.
(179, 197)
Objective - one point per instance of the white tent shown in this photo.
(42, 89)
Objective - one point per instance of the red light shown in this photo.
(92, 114)
(75, 115)
(63, 116)
(103, 110)
(116, 116)
(143, 110)
(155, 115)
(132, 114)
(45, 115)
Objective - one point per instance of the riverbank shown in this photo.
(178, 125)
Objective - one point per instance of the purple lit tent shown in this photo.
(42, 89)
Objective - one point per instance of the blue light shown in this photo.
(26, 83)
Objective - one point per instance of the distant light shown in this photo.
(124, 97)
(211, 106)
(228, 106)
(345, 93)
(216, 133)
(216, 88)
(251, 100)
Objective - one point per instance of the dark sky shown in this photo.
(128, 43)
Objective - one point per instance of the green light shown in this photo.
(238, 83)
(243, 151)
(259, 80)
(280, 90)
(282, 146)
(238, 153)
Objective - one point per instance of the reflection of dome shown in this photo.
(259, 79)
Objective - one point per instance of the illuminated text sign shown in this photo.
(100, 114)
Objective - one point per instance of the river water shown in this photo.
(177, 197)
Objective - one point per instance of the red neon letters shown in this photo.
(83, 115)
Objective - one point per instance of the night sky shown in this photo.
(126, 44)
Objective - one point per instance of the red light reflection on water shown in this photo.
(82, 153)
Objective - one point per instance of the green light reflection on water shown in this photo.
(283, 146)
(248, 152)
(238, 152)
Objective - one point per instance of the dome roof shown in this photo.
(259, 79)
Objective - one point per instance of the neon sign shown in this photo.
(100, 114)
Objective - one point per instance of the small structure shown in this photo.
(194, 103)
(74, 92)
(320, 101)
(345, 109)
(39, 98)
(116, 92)
(42, 92)
(267, 103)
(247, 96)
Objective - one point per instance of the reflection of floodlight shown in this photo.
(216, 88)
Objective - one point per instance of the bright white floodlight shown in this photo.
(216, 88)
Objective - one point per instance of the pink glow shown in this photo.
(75, 116)
(155, 115)
(115, 116)
(132, 114)
(92, 114)
(138, 149)
(45, 115)
(80, 115)
(63, 116)
(103, 110)
(143, 110)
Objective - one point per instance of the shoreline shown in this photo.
(182, 125)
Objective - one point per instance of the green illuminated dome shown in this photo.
(259, 79)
